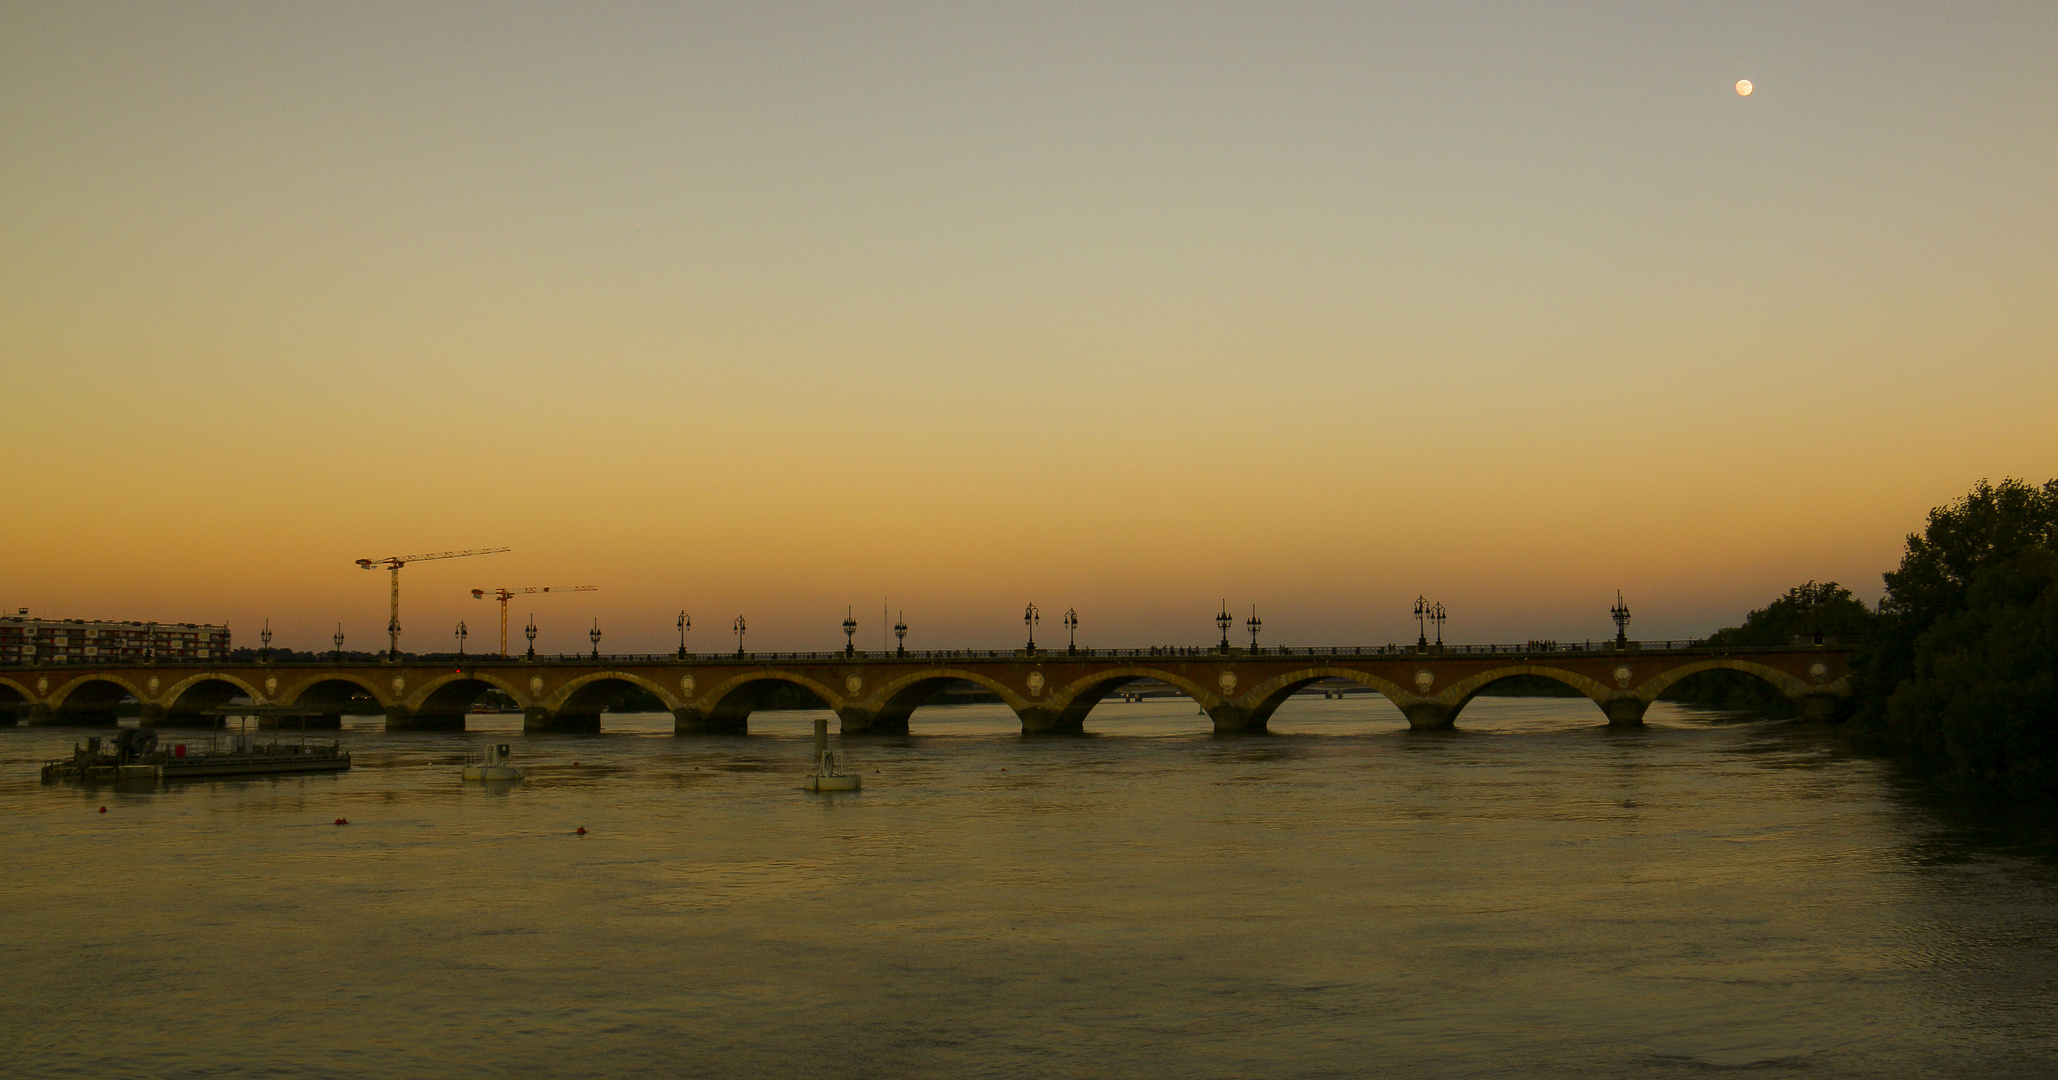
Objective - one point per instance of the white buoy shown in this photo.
(491, 765)
(825, 776)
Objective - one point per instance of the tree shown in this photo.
(1808, 609)
(1960, 670)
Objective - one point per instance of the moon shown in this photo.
(1743, 88)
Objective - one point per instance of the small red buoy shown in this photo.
(103, 809)
(342, 821)
(581, 830)
(575, 764)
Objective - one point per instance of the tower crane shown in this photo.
(394, 563)
(504, 595)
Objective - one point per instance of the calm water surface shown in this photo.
(1532, 896)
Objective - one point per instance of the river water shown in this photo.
(1533, 895)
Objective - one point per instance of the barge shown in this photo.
(134, 755)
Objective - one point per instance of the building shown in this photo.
(24, 640)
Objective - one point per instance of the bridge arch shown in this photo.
(91, 699)
(13, 696)
(1786, 684)
(330, 688)
(577, 705)
(1461, 693)
(893, 702)
(1065, 708)
(727, 705)
(1266, 697)
(442, 702)
(185, 700)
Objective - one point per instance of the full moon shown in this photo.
(1743, 88)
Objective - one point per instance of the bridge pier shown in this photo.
(34, 714)
(1626, 710)
(688, 720)
(860, 721)
(1431, 716)
(536, 718)
(1238, 720)
(1044, 720)
(402, 718)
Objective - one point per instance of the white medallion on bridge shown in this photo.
(1818, 669)
(271, 684)
(853, 684)
(535, 684)
(153, 684)
(1228, 681)
(1036, 682)
(399, 683)
(1424, 679)
(1622, 676)
(685, 684)
(42, 684)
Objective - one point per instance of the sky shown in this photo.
(783, 310)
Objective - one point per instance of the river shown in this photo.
(1532, 895)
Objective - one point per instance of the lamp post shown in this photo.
(738, 627)
(1421, 625)
(900, 630)
(685, 624)
(1436, 614)
(1814, 592)
(1030, 617)
(1620, 613)
(338, 639)
(1223, 620)
(529, 632)
(462, 633)
(1254, 624)
(1072, 631)
(849, 631)
(265, 636)
(594, 635)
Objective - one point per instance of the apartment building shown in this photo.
(24, 640)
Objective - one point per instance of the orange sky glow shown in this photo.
(1129, 308)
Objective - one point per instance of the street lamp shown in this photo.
(900, 630)
(1436, 614)
(1223, 620)
(1254, 624)
(1620, 613)
(685, 624)
(265, 636)
(529, 632)
(462, 633)
(850, 631)
(1422, 610)
(1072, 629)
(1030, 617)
(738, 627)
(594, 635)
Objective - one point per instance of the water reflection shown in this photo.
(1530, 894)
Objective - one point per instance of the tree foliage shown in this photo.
(1825, 608)
(1962, 669)
(1812, 608)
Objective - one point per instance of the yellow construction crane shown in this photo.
(394, 563)
(504, 595)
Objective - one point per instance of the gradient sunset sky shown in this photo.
(776, 308)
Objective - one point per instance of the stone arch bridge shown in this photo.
(1051, 691)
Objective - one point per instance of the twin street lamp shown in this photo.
(1030, 617)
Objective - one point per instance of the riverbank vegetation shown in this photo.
(1957, 672)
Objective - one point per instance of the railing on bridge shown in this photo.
(1163, 652)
